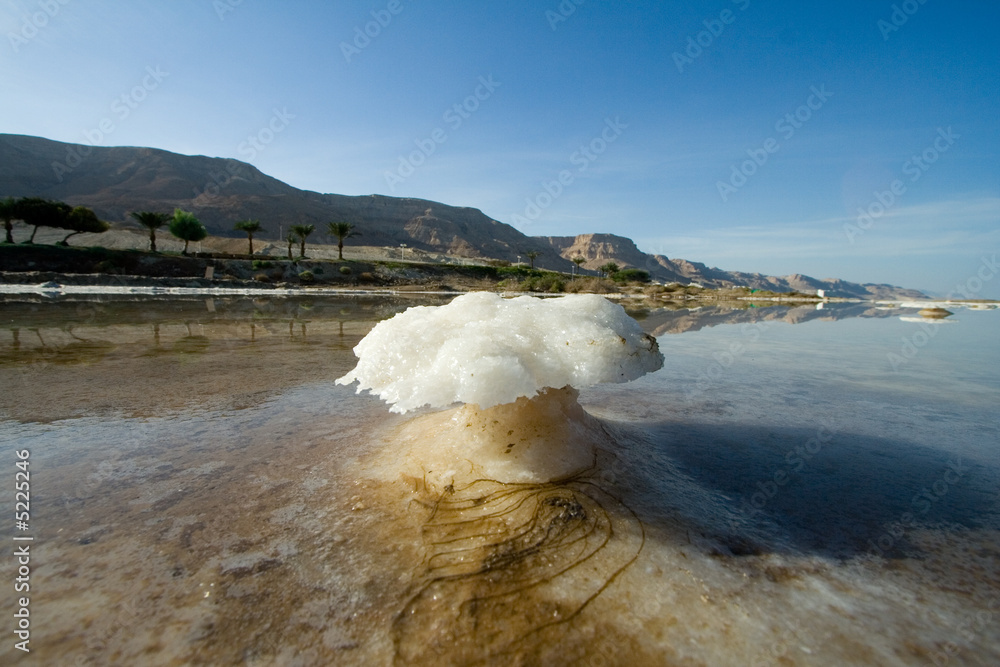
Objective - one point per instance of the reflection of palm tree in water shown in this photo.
(84, 350)
(508, 565)
(191, 344)
(291, 329)
(69, 329)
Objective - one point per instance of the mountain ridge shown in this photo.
(116, 180)
(600, 248)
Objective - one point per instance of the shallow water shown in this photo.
(795, 487)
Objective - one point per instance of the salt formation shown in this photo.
(515, 364)
(486, 350)
(519, 538)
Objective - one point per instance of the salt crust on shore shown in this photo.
(485, 350)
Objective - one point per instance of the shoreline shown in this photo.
(53, 284)
(100, 266)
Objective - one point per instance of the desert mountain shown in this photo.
(116, 180)
(598, 249)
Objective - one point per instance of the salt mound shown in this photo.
(486, 350)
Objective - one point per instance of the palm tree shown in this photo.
(609, 268)
(578, 261)
(8, 212)
(302, 231)
(531, 255)
(251, 227)
(151, 221)
(341, 230)
(187, 228)
(291, 238)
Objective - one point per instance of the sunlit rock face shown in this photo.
(485, 350)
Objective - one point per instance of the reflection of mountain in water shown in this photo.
(193, 350)
(103, 310)
(78, 355)
(663, 321)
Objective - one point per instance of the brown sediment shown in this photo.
(935, 313)
(507, 564)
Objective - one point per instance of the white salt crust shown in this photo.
(486, 350)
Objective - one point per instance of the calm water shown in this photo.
(794, 487)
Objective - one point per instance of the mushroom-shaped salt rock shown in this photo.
(514, 363)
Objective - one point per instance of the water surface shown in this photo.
(796, 486)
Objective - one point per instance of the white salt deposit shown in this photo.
(486, 350)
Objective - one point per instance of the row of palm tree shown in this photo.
(532, 255)
(342, 230)
(608, 269)
(185, 226)
(182, 224)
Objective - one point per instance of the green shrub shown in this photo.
(519, 271)
(630, 275)
(546, 283)
(556, 285)
(258, 264)
(345, 270)
(480, 272)
(262, 278)
(307, 277)
(591, 285)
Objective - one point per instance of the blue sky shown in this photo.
(744, 134)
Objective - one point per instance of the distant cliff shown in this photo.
(599, 249)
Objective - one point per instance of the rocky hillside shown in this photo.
(599, 249)
(116, 180)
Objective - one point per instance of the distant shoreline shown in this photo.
(97, 269)
(47, 270)
(50, 284)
